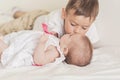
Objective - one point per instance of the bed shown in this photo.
(105, 64)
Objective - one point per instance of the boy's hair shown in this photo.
(87, 8)
(80, 53)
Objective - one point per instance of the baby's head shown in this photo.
(79, 15)
(78, 49)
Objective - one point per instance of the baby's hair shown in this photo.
(81, 53)
(87, 8)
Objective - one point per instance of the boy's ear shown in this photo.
(65, 51)
(63, 13)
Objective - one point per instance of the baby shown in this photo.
(37, 48)
(79, 50)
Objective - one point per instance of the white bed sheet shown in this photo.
(105, 65)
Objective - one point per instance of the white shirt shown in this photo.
(21, 47)
(55, 22)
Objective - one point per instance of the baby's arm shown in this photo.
(42, 56)
(39, 50)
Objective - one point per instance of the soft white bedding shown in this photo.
(105, 65)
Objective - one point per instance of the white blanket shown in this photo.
(105, 65)
(21, 46)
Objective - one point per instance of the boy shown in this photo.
(27, 48)
(75, 18)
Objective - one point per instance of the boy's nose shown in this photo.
(80, 31)
(77, 30)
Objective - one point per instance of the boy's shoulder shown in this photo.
(56, 13)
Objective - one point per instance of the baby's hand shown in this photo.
(54, 33)
(44, 38)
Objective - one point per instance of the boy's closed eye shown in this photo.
(74, 23)
(85, 27)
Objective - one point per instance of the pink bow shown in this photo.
(45, 28)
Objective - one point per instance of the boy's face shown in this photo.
(75, 23)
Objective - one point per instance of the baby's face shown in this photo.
(76, 24)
